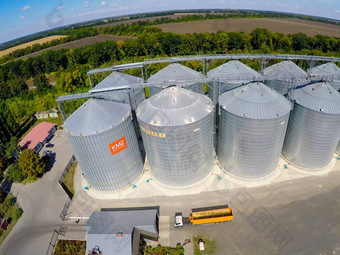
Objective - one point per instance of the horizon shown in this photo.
(21, 20)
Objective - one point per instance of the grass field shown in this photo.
(209, 245)
(68, 180)
(246, 25)
(24, 45)
(80, 43)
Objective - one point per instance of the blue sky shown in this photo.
(24, 17)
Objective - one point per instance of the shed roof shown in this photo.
(174, 106)
(176, 73)
(255, 101)
(285, 70)
(38, 134)
(234, 71)
(96, 116)
(319, 96)
(118, 232)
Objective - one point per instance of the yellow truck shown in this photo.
(211, 215)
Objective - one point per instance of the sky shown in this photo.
(23, 17)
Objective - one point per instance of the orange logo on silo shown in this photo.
(118, 145)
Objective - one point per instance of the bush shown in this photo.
(14, 173)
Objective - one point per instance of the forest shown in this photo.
(18, 101)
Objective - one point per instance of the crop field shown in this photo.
(246, 25)
(24, 45)
(80, 43)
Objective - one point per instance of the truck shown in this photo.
(214, 214)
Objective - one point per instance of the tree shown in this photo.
(18, 86)
(31, 164)
(12, 147)
(41, 83)
(14, 173)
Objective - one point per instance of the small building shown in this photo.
(53, 113)
(119, 231)
(37, 137)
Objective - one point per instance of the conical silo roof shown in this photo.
(328, 69)
(176, 73)
(234, 70)
(285, 70)
(96, 116)
(319, 96)
(255, 101)
(174, 106)
(117, 79)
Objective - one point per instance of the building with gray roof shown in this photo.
(119, 231)
(329, 72)
(253, 123)
(176, 74)
(104, 142)
(177, 131)
(313, 129)
(284, 76)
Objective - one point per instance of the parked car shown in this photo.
(46, 153)
(49, 145)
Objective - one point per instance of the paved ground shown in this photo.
(295, 216)
(42, 202)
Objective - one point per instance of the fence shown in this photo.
(54, 239)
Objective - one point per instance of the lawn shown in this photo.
(68, 180)
(209, 245)
(11, 213)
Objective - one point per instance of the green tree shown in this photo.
(14, 173)
(18, 86)
(31, 164)
(12, 147)
(41, 83)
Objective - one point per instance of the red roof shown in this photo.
(36, 135)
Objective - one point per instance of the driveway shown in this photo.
(42, 202)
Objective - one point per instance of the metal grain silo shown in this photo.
(329, 72)
(253, 123)
(284, 76)
(313, 130)
(103, 139)
(338, 148)
(177, 131)
(128, 85)
(228, 76)
(179, 75)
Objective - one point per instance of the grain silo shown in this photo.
(177, 131)
(176, 74)
(284, 76)
(253, 123)
(104, 142)
(116, 80)
(228, 76)
(338, 148)
(329, 72)
(313, 129)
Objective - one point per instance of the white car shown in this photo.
(178, 220)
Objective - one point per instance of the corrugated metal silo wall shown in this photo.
(196, 87)
(182, 155)
(250, 148)
(312, 138)
(338, 148)
(139, 96)
(105, 170)
(280, 86)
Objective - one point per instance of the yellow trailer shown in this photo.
(211, 215)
